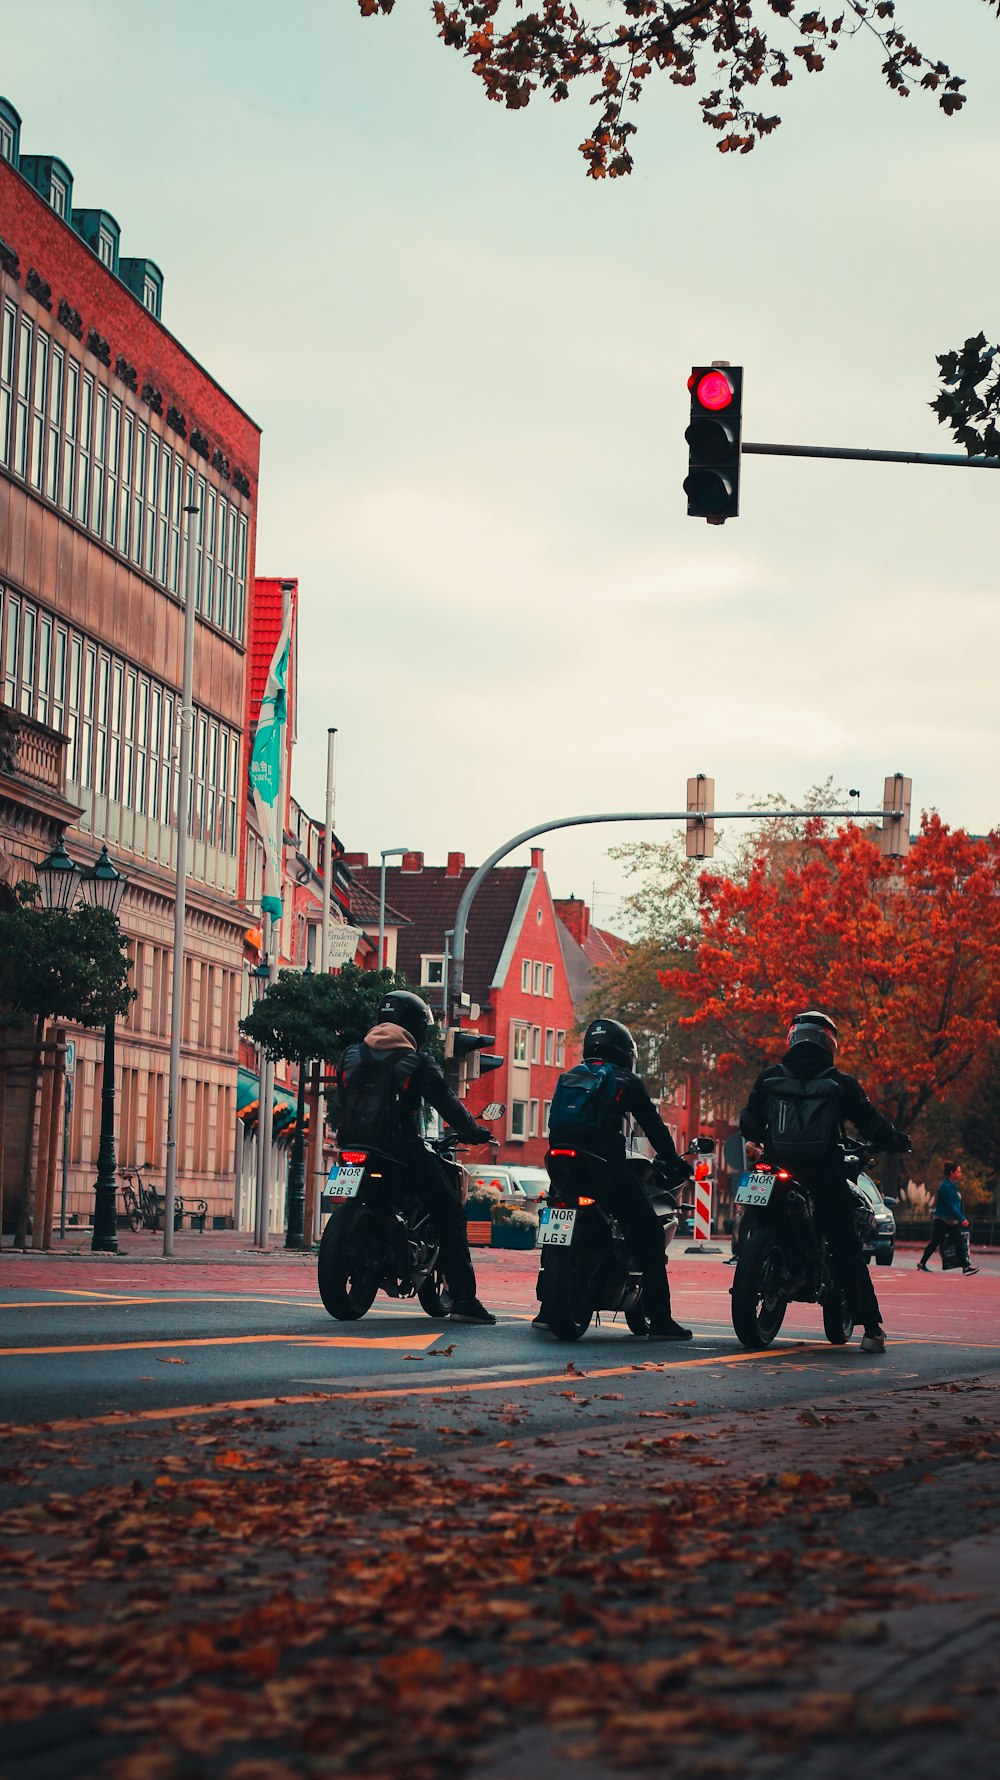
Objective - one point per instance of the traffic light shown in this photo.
(465, 1049)
(714, 437)
(699, 839)
(895, 836)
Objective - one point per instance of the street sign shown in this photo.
(70, 1058)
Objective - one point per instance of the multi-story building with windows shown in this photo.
(109, 429)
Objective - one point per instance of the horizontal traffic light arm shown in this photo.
(953, 458)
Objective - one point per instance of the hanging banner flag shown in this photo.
(265, 769)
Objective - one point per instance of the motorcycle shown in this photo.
(586, 1265)
(781, 1256)
(380, 1235)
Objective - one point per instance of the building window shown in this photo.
(58, 195)
(550, 980)
(519, 1120)
(106, 248)
(7, 326)
(526, 976)
(550, 1042)
(536, 1044)
(150, 295)
(534, 1118)
(546, 1114)
(6, 141)
(560, 1049)
(537, 984)
(520, 1044)
(431, 971)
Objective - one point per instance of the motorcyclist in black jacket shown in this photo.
(812, 1049)
(404, 1022)
(616, 1186)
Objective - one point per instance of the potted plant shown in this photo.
(512, 1227)
(479, 1209)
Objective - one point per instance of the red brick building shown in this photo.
(108, 429)
(515, 971)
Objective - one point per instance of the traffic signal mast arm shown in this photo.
(894, 816)
(954, 458)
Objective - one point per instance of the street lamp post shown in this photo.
(387, 853)
(103, 888)
(295, 1232)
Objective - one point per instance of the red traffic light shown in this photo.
(714, 390)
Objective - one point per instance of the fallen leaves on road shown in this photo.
(260, 1612)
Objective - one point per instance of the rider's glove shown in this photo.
(674, 1170)
(483, 1134)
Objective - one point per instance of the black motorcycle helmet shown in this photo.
(608, 1041)
(814, 1028)
(401, 1007)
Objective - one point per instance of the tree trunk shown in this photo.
(27, 1171)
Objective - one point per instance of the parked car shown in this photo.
(533, 1182)
(880, 1242)
(478, 1175)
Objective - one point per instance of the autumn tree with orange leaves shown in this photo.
(730, 53)
(905, 954)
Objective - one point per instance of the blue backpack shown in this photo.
(583, 1105)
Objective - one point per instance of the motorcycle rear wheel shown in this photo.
(636, 1317)
(757, 1314)
(563, 1305)
(838, 1321)
(434, 1296)
(347, 1283)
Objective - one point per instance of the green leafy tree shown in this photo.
(67, 967)
(726, 52)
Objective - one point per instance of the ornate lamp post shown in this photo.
(58, 878)
(103, 888)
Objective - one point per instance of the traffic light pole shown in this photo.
(457, 970)
(953, 458)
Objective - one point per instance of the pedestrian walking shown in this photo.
(950, 1224)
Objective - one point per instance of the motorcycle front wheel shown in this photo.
(348, 1280)
(838, 1320)
(758, 1309)
(564, 1305)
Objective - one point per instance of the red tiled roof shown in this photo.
(268, 605)
(601, 947)
(429, 899)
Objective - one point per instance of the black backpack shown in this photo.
(371, 1092)
(803, 1117)
(583, 1105)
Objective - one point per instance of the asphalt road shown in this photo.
(86, 1342)
(237, 1532)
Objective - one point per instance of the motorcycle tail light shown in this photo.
(562, 1153)
(782, 1174)
(583, 1200)
(354, 1158)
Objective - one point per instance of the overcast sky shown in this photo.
(469, 363)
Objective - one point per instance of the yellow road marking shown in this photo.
(119, 1418)
(124, 1347)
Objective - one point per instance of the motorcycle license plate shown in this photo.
(345, 1183)
(755, 1188)
(556, 1224)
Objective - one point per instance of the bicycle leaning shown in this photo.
(143, 1205)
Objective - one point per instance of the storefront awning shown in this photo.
(248, 1103)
